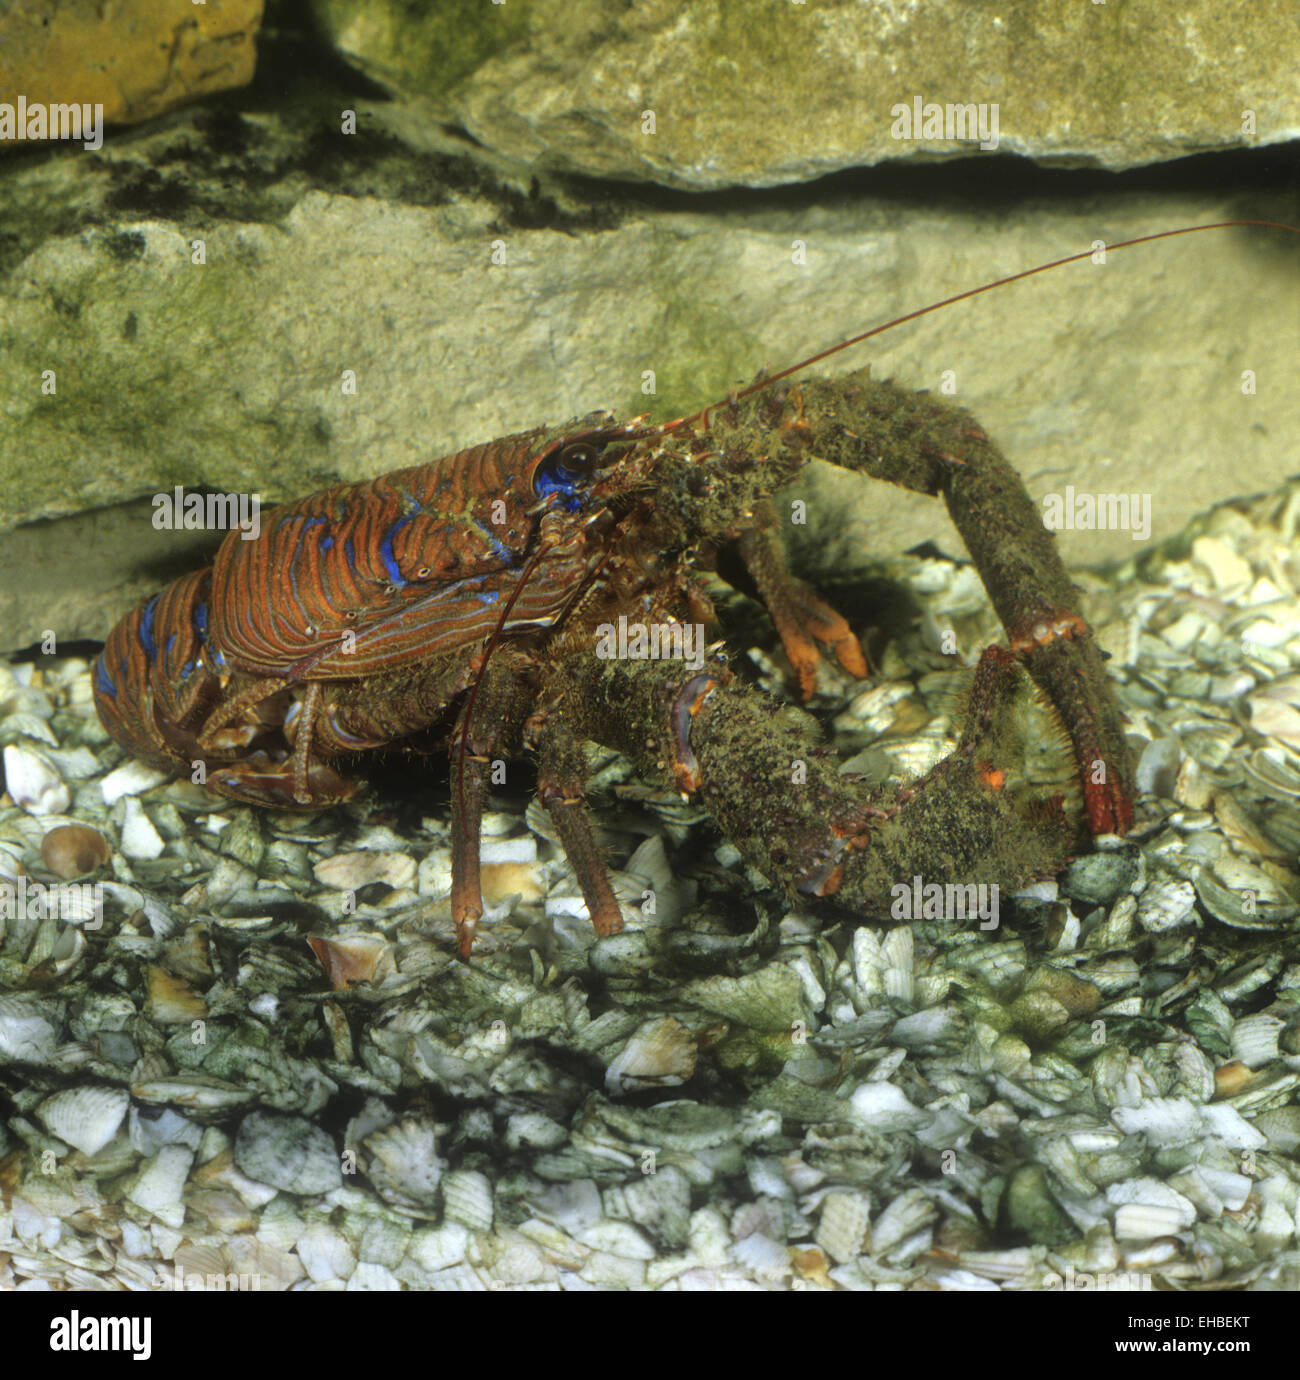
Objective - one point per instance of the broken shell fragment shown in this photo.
(286, 1152)
(352, 871)
(353, 958)
(660, 1054)
(34, 785)
(404, 1165)
(87, 1118)
(467, 1198)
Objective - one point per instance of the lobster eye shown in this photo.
(577, 457)
(565, 471)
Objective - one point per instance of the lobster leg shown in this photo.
(919, 443)
(483, 728)
(235, 706)
(801, 618)
(779, 796)
(562, 774)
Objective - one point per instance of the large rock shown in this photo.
(136, 58)
(764, 92)
(327, 253)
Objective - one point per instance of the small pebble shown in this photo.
(72, 850)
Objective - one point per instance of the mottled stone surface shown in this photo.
(326, 253)
(136, 58)
(766, 92)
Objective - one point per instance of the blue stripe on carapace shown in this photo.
(146, 628)
(386, 552)
(103, 681)
(201, 620)
(499, 548)
(351, 555)
(326, 545)
(171, 642)
(488, 596)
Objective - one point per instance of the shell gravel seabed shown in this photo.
(258, 1064)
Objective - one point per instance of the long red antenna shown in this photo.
(754, 387)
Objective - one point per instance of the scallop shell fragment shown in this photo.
(403, 1164)
(467, 1199)
(1275, 771)
(352, 871)
(87, 1118)
(842, 1226)
(1254, 1040)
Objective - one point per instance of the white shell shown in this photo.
(26, 1037)
(911, 1212)
(1162, 1120)
(87, 1118)
(522, 849)
(843, 1224)
(131, 778)
(884, 1107)
(325, 1253)
(1254, 1040)
(1146, 1208)
(139, 838)
(1142, 1221)
(286, 1152)
(467, 1198)
(660, 1054)
(403, 1163)
(1166, 904)
(766, 1258)
(34, 785)
(351, 871)
(159, 1188)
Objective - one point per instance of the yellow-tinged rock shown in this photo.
(136, 58)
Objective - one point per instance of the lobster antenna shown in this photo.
(488, 649)
(768, 380)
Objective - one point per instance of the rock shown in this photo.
(136, 58)
(766, 94)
